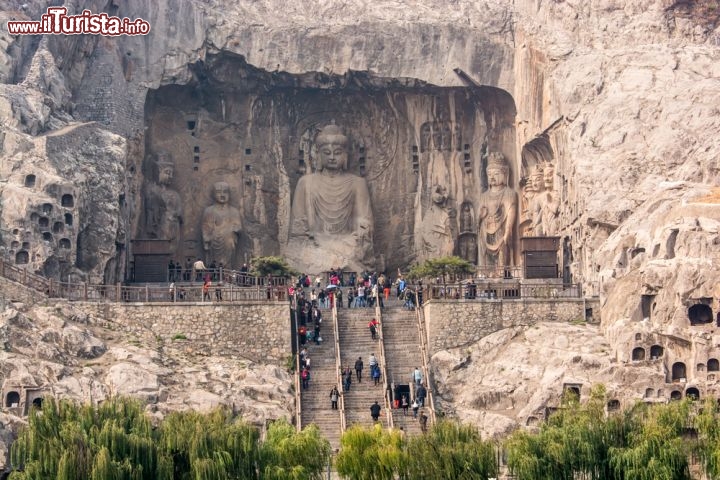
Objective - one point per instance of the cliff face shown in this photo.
(620, 97)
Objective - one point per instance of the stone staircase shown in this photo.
(316, 398)
(402, 353)
(355, 341)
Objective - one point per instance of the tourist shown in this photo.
(415, 407)
(421, 393)
(376, 374)
(206, 291)
(423, 422)
(305, 376)
(373, 325)
(334, 396)
(360, 300)
(359, 369)
(350, 296)
(404, 404)
(375, 411)
(372, 361)
(218, 292)
(171, 292)
(417, 376)
(347, 377)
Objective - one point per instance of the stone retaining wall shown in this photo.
(453, 324)
(258, 332)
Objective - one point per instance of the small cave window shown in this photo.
(47, 236)
(531, 421)
(678, 371)
(248, 151)
(638, 336)
(12, 399)
(613, 405)
(661, 393)
(638, 354)
(34, 217)
(656, 351)
(58, 227)
(26, 245)
(67, 201)
(649, 393)
(675, 395)
(15, 244)
(647, 305)
(30, 181)
(22, 257)
(572, 389)
(37, 403)
(692, 393)
(65, 243)
(713, 365)
(47, 208)
(68, 219)
(700, 367)
(416, 164)
(44, 222)
(700, 314)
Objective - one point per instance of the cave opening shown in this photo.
(255, 130)
(700, 314)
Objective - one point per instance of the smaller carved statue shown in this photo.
(221, 227)
(496, 218)
(546, 203)
(162, 206)
(425, 137)
(534, 186)
(435, 238)
(467, 240)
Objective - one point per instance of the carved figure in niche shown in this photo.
(425, 137)
(162, 206)
(435, 238)
(497, 215)
(467, 240)
(546, 203)
(533, 187)
(457, 137)
(446, 136)
(221, 226)
(331, 215)
(437, 135)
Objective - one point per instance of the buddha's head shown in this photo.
(221, 192)
(497, 170)
(332, 147)
(165, 167)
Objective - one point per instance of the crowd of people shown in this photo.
(311, 297)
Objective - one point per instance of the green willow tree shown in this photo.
(581, 442)
(115, 441)
(448, 451)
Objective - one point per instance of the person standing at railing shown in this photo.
(171, 292)
(206, 291)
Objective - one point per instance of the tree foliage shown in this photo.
(447, 451)
(581, 442)
(272, 265)
(442, 267)
(115, 441)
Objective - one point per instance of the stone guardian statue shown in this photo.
(331, 215)
(497, 214)
(435, 237)
(221, 227)
(162, 207)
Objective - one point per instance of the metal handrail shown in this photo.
(383, 363)
(298, 396)
(502, 289)
(338, 368)
(425, 360)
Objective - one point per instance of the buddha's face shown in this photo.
(165, 174)
(222, 193)
(496, 176)
(333, 156)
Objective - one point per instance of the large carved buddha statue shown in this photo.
(221, 226)
(331, 215)
(498, 211)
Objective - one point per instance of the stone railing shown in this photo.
(509, 290)
(260, 289)
(425, 361)
(383, 363)
(338, 367)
